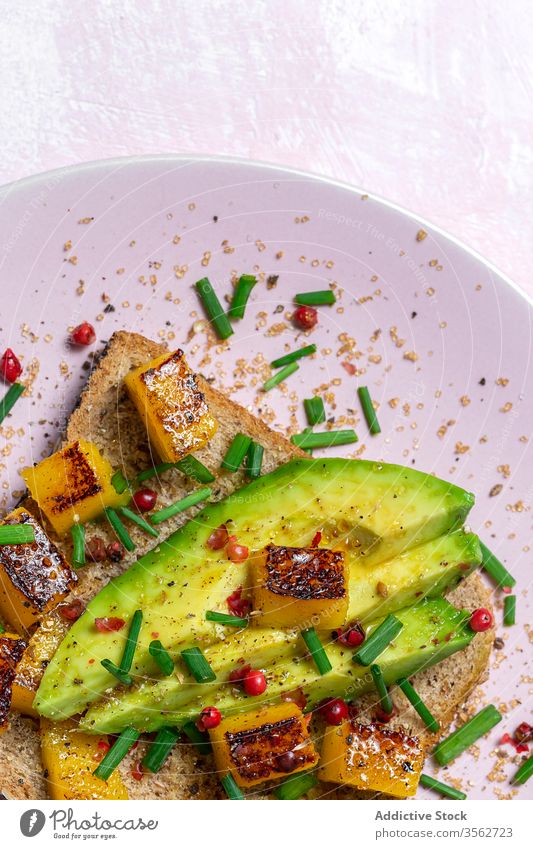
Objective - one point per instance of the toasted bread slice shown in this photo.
(106, 416)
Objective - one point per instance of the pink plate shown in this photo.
(440, 338)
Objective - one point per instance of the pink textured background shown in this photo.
(424, 102)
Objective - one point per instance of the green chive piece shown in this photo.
(117, 753)
(236, 452)
(231, 787)
(200, 741)
(378, 640)
(120, 530)
(495, 569)
(287, 359)
(118, 673)
(213, 308)
(314, 410)
(131, 641)
(138, 520)
(161, 748)
(2, 629)
(120, 483)
(10, 399)
(458, 742)
(254, 460)
(198, 666)
(17, 534)
(155, 471)
(328, 439)
(241, 293)
(384, 697)
(324, 297)
(524, 772)
(317, 650)
(280, 376)
(509, 610)
(77, 532)
(439, 787)
(424, 712)
(192, 467)
(226, 619)
(296, 786)
(161, 657)
(368, 410)
(180, 506)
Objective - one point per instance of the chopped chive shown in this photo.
(120, 483)
(120, 530)
(200, 741)
(213, 308)
(116, 753)
(424, 712)
(2, 629)
(254, 460)
(236, 452)
(458, 742)
(161, 657)
(231, 787)
(161, 748)
(138, 520)
(495, 569)
(155, 471)
(198, 666)
(180, 506)
(324, 297)
(317, 651)
(192, 467)
(368, 410)
(10, 399)
(378, 641)
(77, 532)
(280, 376)
(131, 641)
(296, 786)
(323, 440)
(226, 619)
(524, 772)
(241, 293)
(17, 534)
(118, 673)
(287, 359)
(384, 697)
(439, 787)
(509, 610)
(314, 410)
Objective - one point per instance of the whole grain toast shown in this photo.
(106, 416)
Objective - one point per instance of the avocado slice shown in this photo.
(433, 629)
(374, 511)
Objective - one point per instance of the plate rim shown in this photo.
(7, 189)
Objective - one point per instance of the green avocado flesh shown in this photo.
(432, 630)
(372, 511)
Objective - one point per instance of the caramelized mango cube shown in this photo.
(299, 586)
(263, 744)
(373, 758)
(40, 650)
(11, 650)
(175, 412)
(34, 576)
(73, 485)
(70, 758)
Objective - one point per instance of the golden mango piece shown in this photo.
(11, 651)
(371, 757)
(166, 395)
(70, 758)
(34, 576)
(299, 587)
(40, 650)
(264, 744)
(73, 485)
